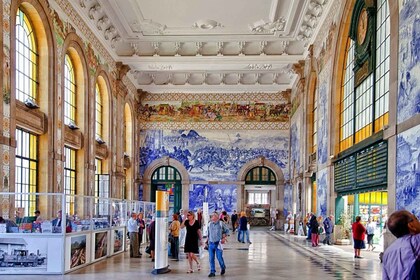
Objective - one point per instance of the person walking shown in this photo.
(402, 256)
(370, 230)
(234, 220)
(182, 234)
(216, 237)
(133, 232)
(329, 229)
(174, 231)
(313, 223)
(192, 238)
(358, 237)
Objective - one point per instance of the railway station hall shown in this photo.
(188, 139)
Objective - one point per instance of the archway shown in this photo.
(276, 187)
(169, 162)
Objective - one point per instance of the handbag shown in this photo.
(147, 250)
(171, 238)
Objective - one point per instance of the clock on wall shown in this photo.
(362, 32)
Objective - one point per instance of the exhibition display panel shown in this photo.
(48, 233)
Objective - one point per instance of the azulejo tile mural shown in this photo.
(321, 192)
(408, 171)
(409, 61)
(219, 197)
(288, 199)
(323, 121)
(214, 155)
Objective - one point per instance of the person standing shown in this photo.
(133, 232)
(243, 229)
(329, 229)
(404, 253)
(313, 224)
(358, 237)
(370, 230)
(152, 240)
(289, 221)
(174, 231)
(192, 238)
(217, 233)
(234, 220)
(200, 217)
(142, 226)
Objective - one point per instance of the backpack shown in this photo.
(415, 269)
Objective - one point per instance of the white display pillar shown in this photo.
(161, 233)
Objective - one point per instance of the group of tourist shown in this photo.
(217, 232)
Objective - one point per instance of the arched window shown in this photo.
(26, 59)
(99, 111)
(69, 92)
(364, 107)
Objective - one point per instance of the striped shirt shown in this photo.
(216, 231)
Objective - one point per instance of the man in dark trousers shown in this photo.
(329, 229)
(234, 219)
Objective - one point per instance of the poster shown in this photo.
(30, 255)
(78, 251)
(101, 244)
(118, 240)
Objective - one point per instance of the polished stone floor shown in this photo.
(272, 255)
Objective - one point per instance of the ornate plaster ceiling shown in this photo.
(206, 46)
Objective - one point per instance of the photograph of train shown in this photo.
(22, 253)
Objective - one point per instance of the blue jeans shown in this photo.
(243, 233)
(213, 249)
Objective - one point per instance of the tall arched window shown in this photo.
(69, 92)
(26, 59)
(364, 107)
(99, 111)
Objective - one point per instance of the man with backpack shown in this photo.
(216, 237)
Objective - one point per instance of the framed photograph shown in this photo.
(78, 251)
(101, 244)
(118, 240)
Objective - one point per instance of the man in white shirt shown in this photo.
(133, 230)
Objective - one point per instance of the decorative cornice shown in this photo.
(216, 125)
(223, 97)
(311, 19)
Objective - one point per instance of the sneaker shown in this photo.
(212, 275)
(223, 272)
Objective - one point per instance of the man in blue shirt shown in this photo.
(216, 236)
(329, 229)
(400, 257)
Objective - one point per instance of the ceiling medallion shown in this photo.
(207, 24)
